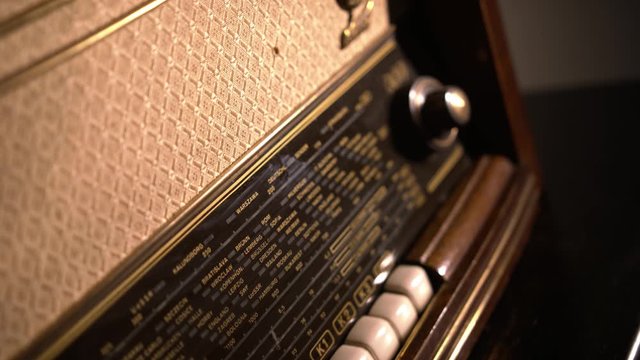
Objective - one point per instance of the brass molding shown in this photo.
(445, 169)
(253, 157)
(30, 14)
(27, 73)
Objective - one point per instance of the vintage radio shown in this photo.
(256, 179)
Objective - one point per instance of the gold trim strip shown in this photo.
(30, 14)
(25, 74)
(445, 169)
(104, 304)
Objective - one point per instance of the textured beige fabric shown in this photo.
(60, 26)
(10, 8)
(101, 150)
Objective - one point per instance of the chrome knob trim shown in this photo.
(454, 101)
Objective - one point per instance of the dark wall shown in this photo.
(560, 44)
(575, 293)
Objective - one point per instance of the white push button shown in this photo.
(376, 335)
(412, 281)
(398, 310)
(349, 352)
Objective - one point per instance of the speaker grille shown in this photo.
(98, 152)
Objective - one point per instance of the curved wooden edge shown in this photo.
(453, 320)
(516, 115)
(448, 256)
(447, 240)
(442, 221)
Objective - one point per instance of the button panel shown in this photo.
(376, 335)
(398, 310)
(350, 352)
(412, 281)
(391, 317)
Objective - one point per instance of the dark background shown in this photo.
(576, 291)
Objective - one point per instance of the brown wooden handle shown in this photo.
(456, 314)
(449, 238)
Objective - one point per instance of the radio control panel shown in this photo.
(282, 258)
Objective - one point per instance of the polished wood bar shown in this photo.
(451, 323)
(444, 245)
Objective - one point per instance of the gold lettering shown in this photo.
(303, 149)
(335, 119)
(344, 317)
(171, 314)
(213, 271)
(241, 243)
(187, 258)
(322, 346)
(297, 188)
(246, 203)
(276, 174)
(364, 291)
(395, 77)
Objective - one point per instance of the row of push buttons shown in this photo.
(377, 336)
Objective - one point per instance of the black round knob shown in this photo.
(438, 111)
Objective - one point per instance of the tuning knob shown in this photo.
(438, 111)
